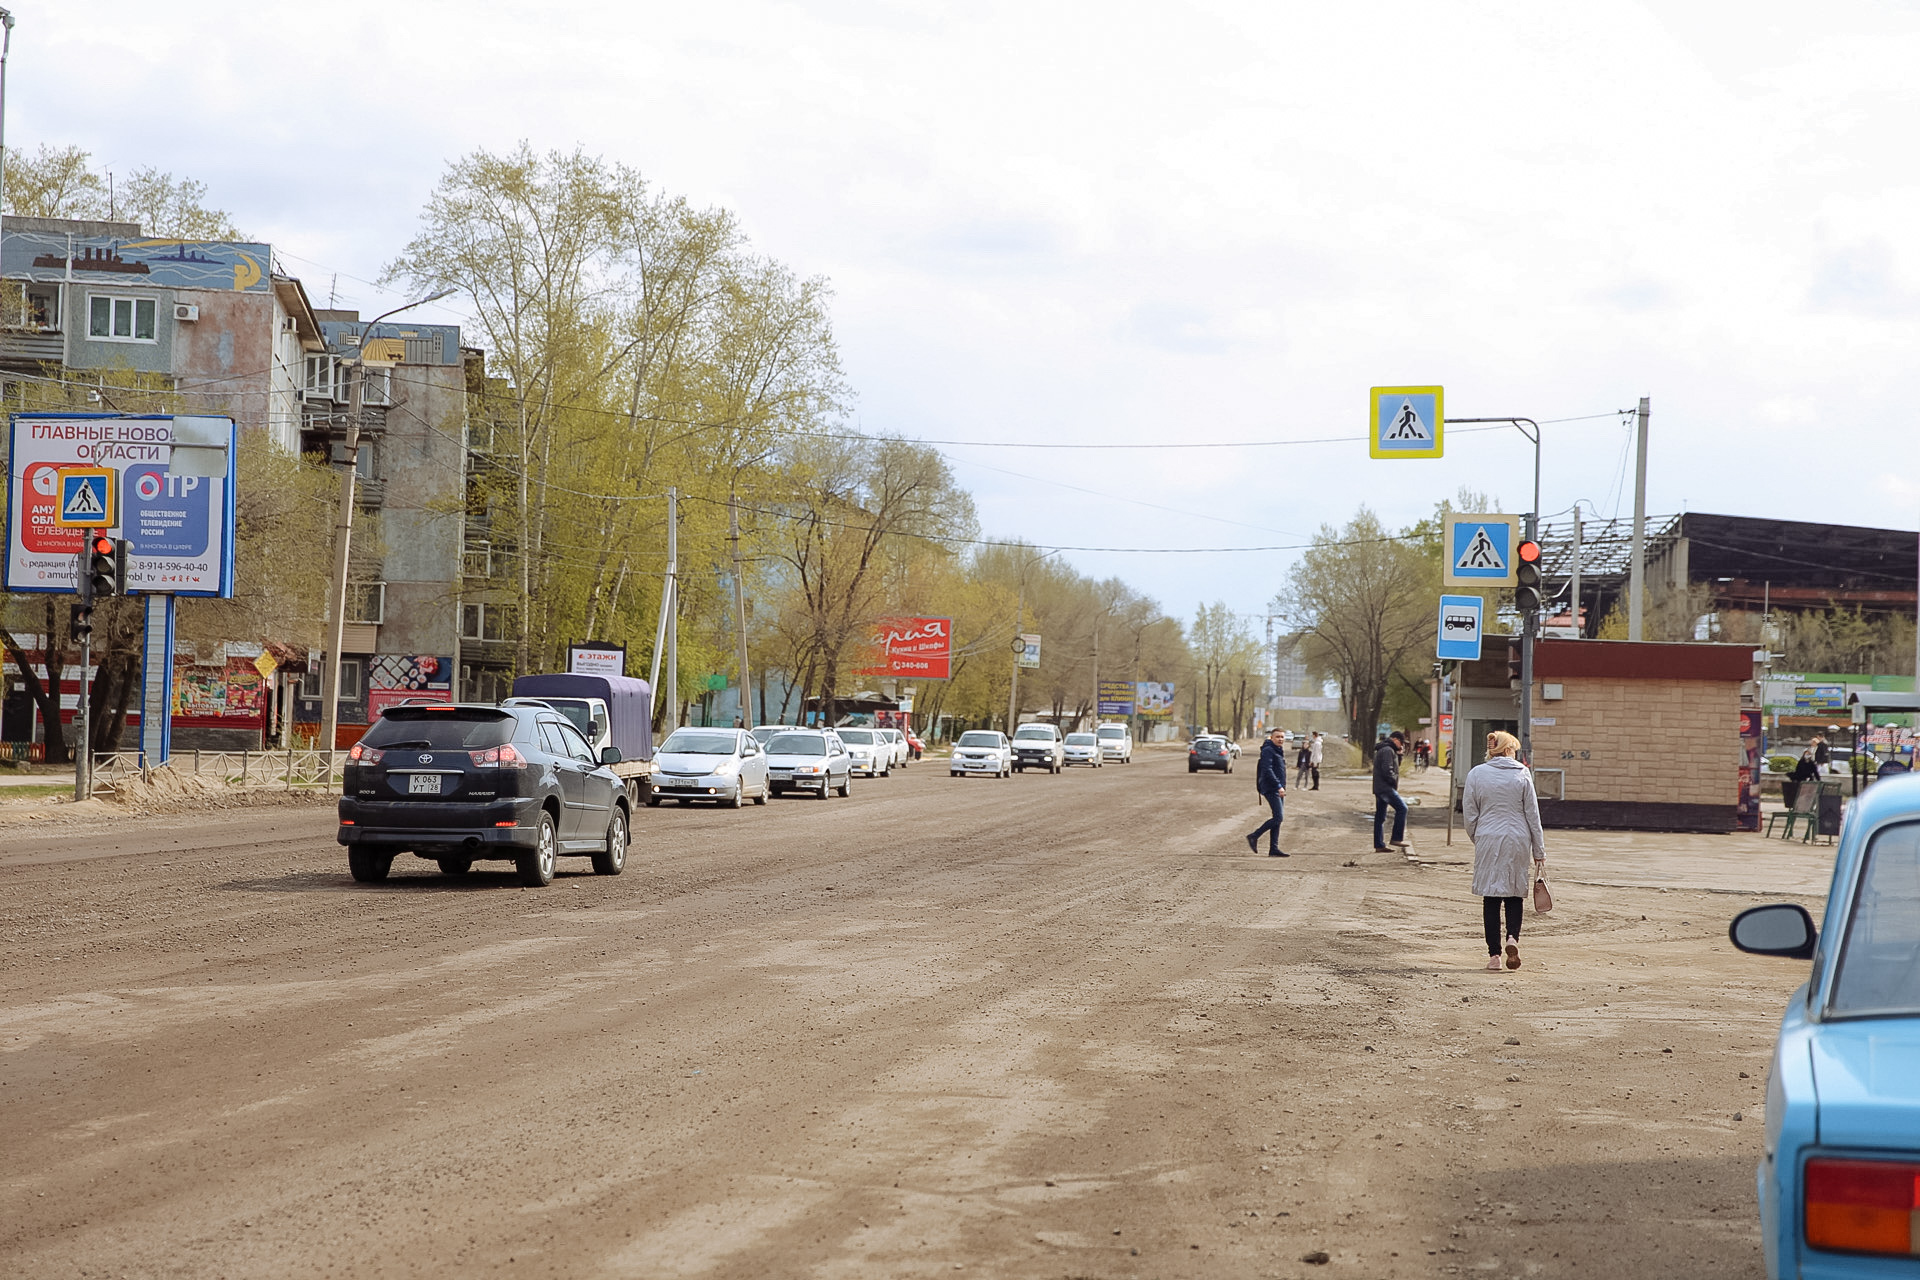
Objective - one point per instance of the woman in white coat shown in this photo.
(1503, 821)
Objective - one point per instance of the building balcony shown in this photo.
(31, 346)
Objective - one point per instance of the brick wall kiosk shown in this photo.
(1648, 734)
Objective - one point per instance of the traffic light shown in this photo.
(1526, 578)
(1513, 664)
(106, 567)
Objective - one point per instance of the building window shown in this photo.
(32, 307)
(476, 561)
(319, 379)
(483, 622)
(350, 673)
(120, 319)
(376, 386)
(367, 602)
(363, 460)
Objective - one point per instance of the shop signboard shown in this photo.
(1153, 699)
(593, 659)
(911, 647)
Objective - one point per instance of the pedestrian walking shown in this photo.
(1270, 784)
(1386, 791)
(1502, 816)
(1822, 753)
(1315, 750)
(1303, 761)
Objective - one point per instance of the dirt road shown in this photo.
(1047, 1026)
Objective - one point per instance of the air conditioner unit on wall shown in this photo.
(186, 311)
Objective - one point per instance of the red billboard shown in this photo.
(912, 648)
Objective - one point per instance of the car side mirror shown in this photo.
(1779, 929)
(609, 755)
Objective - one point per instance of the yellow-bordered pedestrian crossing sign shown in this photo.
(1478, 550)
(1406, 422)
(87, 498)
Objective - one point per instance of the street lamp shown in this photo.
(343, 535)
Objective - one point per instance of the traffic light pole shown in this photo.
(1530, 620)
(1529, 628)
(83, 735)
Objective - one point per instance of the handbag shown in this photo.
(1542, 897)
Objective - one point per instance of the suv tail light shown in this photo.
(1863, 1206)
(502, 757)
(365, 754)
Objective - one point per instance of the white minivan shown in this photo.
(1116, 742)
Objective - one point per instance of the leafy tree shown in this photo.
(61, 182)
(1366, 600)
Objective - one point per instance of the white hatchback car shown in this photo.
(1116, 742)
(902, 753)
(982, 751)
(808, 760)
(1083, 748)
(725, 766)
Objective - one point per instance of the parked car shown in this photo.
(1116, 742)
(725, 766)
(809, 760)
(1839, 1174)
(1209, 751)
(872, 754)
(1083, 748)
(458, 784)
(984, 751)
(902, 753)
(1233, 745)
(1038, 746)
(914, 743)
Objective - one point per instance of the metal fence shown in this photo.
(289, 770)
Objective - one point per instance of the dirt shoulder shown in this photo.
(1041, 1026)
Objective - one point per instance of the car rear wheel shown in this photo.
(367, 866)
(455, 866)
(536, 864)
(846, 788)
(766, 788)
(739, 796)
(614, 860)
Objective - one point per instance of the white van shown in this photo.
(1116, 743)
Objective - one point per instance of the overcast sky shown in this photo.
(1161, 223)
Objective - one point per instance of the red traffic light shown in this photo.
(100, 544)
(1529, 552)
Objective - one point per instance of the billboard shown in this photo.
(396, 678)
(597, 659)
(921, 648)
(1116, 698)
(1030, 652)
(178, 518)
(1153, 699)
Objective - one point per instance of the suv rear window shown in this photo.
(466, 729)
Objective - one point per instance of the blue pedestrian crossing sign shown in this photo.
(87, 498)
(1406, 422)
(1459, 634)
(1478, 550)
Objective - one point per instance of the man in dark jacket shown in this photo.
(1386, 791)
(1270, 781)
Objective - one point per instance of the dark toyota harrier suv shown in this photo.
(459, 783)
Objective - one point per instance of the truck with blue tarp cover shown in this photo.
(609, 711)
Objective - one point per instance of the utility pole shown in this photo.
(739, 609)
(1637, 564)
(1094, 710)
(1019, 652)
(1529, 629)
(83, 717)
(343, 537)
(670, 618)
(1579, 633)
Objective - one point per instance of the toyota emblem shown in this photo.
(426, 759)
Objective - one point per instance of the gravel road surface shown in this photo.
(1049, 1026)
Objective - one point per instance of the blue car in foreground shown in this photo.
(1840, 1175)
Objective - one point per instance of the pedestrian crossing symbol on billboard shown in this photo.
(1479, 549)
(86, 498)
(1407, 422)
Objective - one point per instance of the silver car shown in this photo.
(872, 754)
(902, 753)
(813, 760)
(725, 766)
(1083, 748)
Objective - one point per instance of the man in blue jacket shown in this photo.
(1271, 782)
(1386, 792)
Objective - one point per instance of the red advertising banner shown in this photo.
(916, 648)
